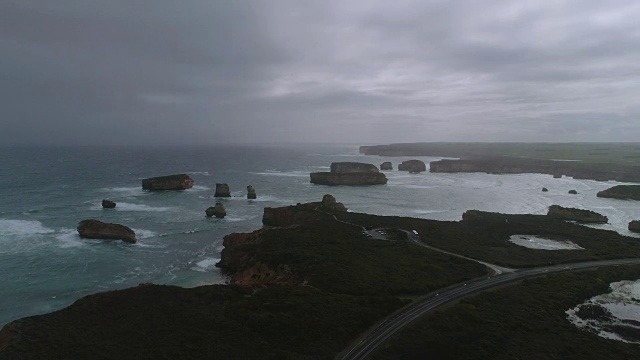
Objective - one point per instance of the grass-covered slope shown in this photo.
(487, 237)
(525, 321)
(336, 257)
(209, 322)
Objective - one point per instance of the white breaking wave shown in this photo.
(205, 173)
(23, 228)
(133, 207)
(69, 238)
(144, 234)
(126, 191)
(280, 173)
(206, 264)
(623, 307)
(200, 188)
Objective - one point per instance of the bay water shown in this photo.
(46, 191)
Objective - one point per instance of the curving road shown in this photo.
(390, 326)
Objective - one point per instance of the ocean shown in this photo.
(46, 191)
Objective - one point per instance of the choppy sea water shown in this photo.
(45, 192)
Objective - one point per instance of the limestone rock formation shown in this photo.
(352, 167)
(349, 173)
(108, 204)
(412, 166)
(634, 226)
(222, 190)
(628, 192)
(579, 215)
(329, 202)
(544, 189)
(386, 166)
(218, 211)
(94, 229)
(574, 192)
(170, 182)
(251, 192)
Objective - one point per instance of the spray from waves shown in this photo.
(205, 173)
(199, 188)
(69, 238)
(133, 207)
(206, 264)
(126, 191)
(23, 228)
(297, 173)
(144, 234)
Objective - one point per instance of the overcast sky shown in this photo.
(365, 72)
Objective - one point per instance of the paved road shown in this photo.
(451, 294)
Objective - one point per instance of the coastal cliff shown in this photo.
(349, 173)
(579, 215)
(504, 165)
(624, 192)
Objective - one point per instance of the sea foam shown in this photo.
(23, 228)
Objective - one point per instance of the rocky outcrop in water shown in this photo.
(544, 189)
(170, 182)
(108, 204)
(94, 229)
(634, 226)
(329, 202)
(579, 215)
(251, 192)
(218, 211)
(412, 166)
(386, 166)
(625, 192)
(573, 192)
(349, 173)
(222, 190)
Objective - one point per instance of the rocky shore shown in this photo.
(579, 215)
(624, 192)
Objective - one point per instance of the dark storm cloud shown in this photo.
(361, 71)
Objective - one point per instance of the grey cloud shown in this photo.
(360, 71)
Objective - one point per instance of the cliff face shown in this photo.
(170, 182)
(413, 166)
(577, 170)
(629, 192)
(585, 216)
(364, 178)
(352, 167)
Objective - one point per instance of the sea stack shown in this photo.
(412, 166)
(574, 192)
(169, 182)
(634, 226)
(94, 229)
(218, 211)
(386, 166)
(349, 173)
(108, 204)
(544, 189)
(251, 192)
(222, 190)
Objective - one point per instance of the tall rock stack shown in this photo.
(222, 190)
(218, 211)
(251, 192)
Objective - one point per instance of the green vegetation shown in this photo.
(524, 321)
(336, 257)
(606, 153)
(630, 192)
(222, 322)
(487, 238)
